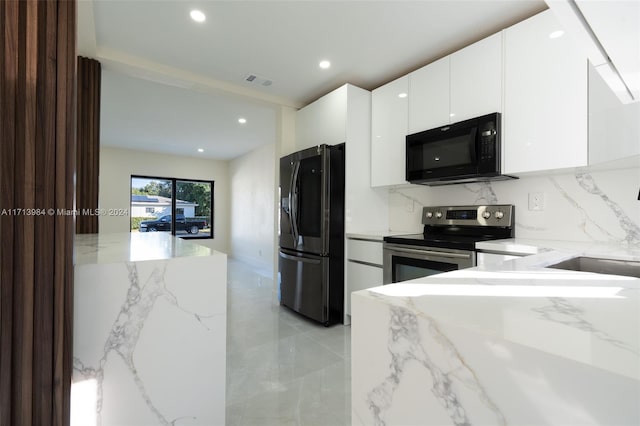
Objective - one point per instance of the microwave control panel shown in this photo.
(487, 142)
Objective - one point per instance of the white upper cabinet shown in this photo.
(545, 95)
(323, 121)
(463, 85)
(389, 114)
(476, 79)
(429, 96)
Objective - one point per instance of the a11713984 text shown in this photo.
(63, 212)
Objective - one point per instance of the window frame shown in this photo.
(174, 181)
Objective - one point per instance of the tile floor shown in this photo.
(281, 368)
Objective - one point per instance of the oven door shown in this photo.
(405, 262)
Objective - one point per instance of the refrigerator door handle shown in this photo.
(293, 202)
(299, 259)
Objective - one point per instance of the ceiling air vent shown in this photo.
(257, 80)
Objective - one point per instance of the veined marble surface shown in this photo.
(527, 246)
(509, 344)
(149, 335)
(594, 204)
(133, 247)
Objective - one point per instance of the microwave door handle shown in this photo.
(475, 137)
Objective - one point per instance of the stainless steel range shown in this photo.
(448, 241)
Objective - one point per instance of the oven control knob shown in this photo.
(499, 214)
(438, 215)
(486, 214)
(429, 215)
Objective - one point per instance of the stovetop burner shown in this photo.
(460, 227)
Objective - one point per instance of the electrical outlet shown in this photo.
(409, 205)
(536, 201)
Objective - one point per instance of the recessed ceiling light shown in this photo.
(197, 16)
(324, 64)
(242, 120)
(402, 95)
(556, 34)
(200, 150)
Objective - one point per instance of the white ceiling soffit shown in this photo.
(153, 116)
(609, 34)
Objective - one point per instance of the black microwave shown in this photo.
(467, 151)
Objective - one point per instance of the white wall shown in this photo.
(252, 179)
(584, 205)
(117, 166)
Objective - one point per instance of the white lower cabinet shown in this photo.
(545, 98)
(360, 277)
(364, 268)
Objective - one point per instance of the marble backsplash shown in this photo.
(585, 205)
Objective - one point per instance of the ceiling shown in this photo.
(173, 85)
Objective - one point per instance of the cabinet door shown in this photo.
(389, 120)
(545, 93)
(476, 79)
(360, 277)
(429, 96)
(323, 121)
(365, 251)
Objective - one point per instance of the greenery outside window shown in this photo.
(183, 207)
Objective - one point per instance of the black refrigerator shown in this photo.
(311, 255)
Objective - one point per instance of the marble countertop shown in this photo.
(134, 247)
(588, 318)
(524, 246)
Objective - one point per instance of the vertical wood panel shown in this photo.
(25, 183)
(88, 143)
(44, 227)
(65, 195)
(9, 69)
(37, 160)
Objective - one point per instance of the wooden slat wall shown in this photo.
(88, 144)
(37, 165)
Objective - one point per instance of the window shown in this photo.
(183, 207)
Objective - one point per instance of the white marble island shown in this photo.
(510, 344)
(149, 331)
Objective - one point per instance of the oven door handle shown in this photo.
(429, 253)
